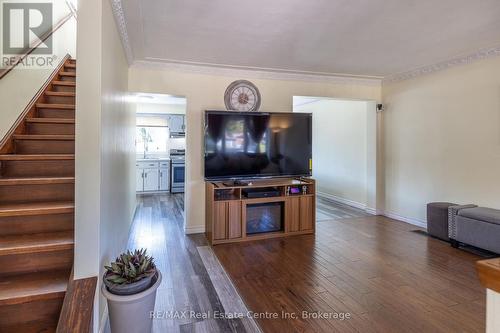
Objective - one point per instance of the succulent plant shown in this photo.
(130, 267)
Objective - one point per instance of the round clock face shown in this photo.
(242, 95)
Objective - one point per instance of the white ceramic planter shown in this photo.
(131, 314)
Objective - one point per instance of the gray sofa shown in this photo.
(476, 226)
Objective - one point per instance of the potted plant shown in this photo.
(130, 285)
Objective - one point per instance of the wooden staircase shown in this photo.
(37, 177)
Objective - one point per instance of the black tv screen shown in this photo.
(251, 145)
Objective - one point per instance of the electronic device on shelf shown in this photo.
(261, 192)
(225, 194)
(238, 183)
(245, 145)
(296, 190)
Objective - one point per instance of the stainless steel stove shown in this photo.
(177, 170)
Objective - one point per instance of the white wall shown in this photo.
(442, 139)
(21, 84)
(340, 162)
(118, 200)
(87, 143)
(206, 91)
(105, 152)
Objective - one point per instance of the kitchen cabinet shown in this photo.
(152, 176)
(139, 186)
(292, 212)
(306, 213)
(228, 213)
(176, 122)
(299, 213)
(164, 176)
(151, 180)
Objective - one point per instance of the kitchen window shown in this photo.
(151, 140)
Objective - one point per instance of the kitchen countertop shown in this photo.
(153, 159)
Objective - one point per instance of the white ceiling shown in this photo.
(353, 37)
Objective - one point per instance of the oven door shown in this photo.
(177, 177)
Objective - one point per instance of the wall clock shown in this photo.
(242, 95)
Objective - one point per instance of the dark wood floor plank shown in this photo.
(385, 276)
(388, 277)
(186, 285)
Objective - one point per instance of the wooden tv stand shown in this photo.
(226, 209)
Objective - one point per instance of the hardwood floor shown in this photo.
(327, 209)
(186, 286)
(386, 277)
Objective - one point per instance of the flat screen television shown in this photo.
(240, 145)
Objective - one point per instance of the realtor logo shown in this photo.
(25, 25)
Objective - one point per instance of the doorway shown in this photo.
(344, 154)
(160, 150)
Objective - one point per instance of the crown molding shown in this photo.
(117, 8)
(278, 74)
(443, 65)
(256, 73)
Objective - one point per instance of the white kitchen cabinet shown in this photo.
(151, 180)
(164, 175)
(139, 187)
(176, 123)
(164, 180)
(152, 176)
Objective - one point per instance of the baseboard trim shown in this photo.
(417, 222)
(194, 230)
(373, 211)
(344, 201)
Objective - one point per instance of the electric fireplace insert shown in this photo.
(265, 217)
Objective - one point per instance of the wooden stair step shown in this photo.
(36, 181)
(70, 65)
(55, 137)
(24, 191)
(39, 165)
(22, 288)
(50, 120)
(60, 93)
(64, 83)
(55, 113)
(55, 106)
(35, 144)
(35, 224)
(36, 208)
(67, 74)
(36, 243)
(36, 157)
(50, 125)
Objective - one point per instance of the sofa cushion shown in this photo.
(481, 214)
